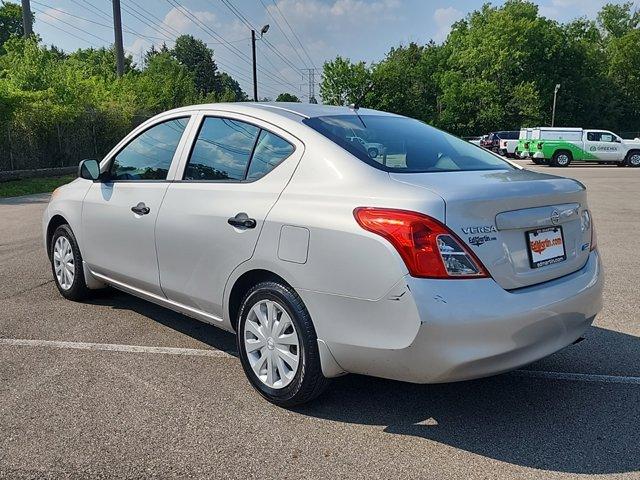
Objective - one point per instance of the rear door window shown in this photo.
(269, 152)
(231, 150)
(222, 150)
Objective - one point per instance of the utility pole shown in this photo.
(553, 113)
(255, 74)
(117, 29)
(263, 30)
(26, 19)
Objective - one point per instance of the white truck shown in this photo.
(560, 146)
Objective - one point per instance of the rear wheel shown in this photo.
(561, 158)
(633, 159)
(66, 264)
(538, 161)
(373, 152)
(278, 345)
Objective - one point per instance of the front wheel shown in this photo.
(561, 159)
(373, 152)
(66, 264)
(633, 159)
(278, 345)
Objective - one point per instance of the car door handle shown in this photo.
(242, 220)
(140, 209)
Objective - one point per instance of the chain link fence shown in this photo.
(38, 144)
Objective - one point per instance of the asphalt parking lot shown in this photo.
(117, 387)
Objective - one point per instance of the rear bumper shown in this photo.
(474, 328)
(537, 155)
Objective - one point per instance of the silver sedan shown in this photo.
(433, 261)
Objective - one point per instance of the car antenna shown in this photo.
(356, 105)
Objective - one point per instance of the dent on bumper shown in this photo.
(474, 328)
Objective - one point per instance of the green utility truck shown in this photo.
(560, 146)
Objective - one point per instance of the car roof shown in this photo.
(564, 129)
(286, 109)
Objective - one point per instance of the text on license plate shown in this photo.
(546, 246)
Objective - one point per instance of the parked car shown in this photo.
(439, 262)
(372, 148)
(508, 141)
(560, 146)
(490, 142)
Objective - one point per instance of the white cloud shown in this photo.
(444, 18)
(569, 9)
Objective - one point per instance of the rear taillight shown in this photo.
(429, 249)
(586, 221)
(539, 145)
(594, 237)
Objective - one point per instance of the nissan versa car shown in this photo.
(434, 261)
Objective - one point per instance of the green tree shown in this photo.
(287, 97)
(344, 82)
(197, 58)
(617, 20)
(10, 21)
(165, 84)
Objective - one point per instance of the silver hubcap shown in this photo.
(562, 159)
(271, 343)
(63, 263)
(634, 160)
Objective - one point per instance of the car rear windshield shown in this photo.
(404, 145)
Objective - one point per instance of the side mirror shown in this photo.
(89, 169)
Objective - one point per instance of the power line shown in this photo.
(73, 26)
(283, 32)
(159, 22)
(162, 28)
(68, 32)
(93, 8)
(232, 48)
(128, 30)
(244, 20)
(294, 34)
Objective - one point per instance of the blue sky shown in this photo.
(357, 29)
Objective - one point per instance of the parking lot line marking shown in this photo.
(576, 377)
(113, 347)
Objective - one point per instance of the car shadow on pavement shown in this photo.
(201, 331)
(549, 424)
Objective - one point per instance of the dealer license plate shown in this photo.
(546, 246)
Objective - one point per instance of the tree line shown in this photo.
(57, 108)
(498, 68)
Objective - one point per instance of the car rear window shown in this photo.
(404, 145)
(508, 135)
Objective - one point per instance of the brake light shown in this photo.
(429, 249)
(539, 145)
(586, 221)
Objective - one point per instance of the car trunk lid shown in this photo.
(492, 211)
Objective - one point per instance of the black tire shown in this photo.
(561, 158)
(633, 159)
(373, 152)
(308, 382)
(538, 161)
(78, 289)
